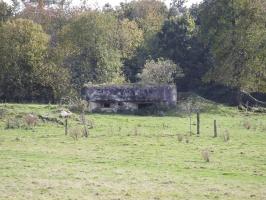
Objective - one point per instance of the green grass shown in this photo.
(133, 157)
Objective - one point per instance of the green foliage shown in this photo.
(51, 19)
(235, 31)
(77, 105)
(149, 16)
(90, 47)
(47, 53)
(160, 72)
(23, 47)
(179, 41)
(177, 8)
(25, 69)
(130, 38)
(6, 12)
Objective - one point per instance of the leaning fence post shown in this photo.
(198, 123)
(215, 128)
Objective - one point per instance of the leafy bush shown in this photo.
(77, 105)
(161, 71)
(29, 64)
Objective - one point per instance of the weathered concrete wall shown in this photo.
(113, 107)
(132, 93)
(129, 98)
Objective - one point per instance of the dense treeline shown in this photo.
(47, 53)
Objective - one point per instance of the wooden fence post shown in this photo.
(215, 128)
(198, 123)
(66, 126)
(190, 128)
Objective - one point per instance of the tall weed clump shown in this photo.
(76, 133)
(247, 125)
(226, 136)
(13, 123)
(180, 137)
(27, 121)
(30, 120)
(3, 113)
(205, 155)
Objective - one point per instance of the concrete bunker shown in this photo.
(129, 97)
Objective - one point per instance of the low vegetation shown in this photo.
(132, 157)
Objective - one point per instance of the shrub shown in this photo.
(77, 105)
(160, 71)
(205, 155)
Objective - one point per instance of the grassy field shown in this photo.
(133, 157)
